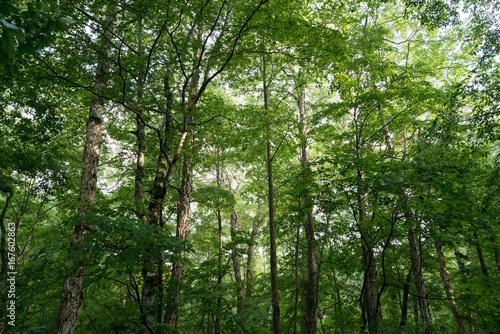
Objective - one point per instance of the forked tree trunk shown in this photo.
(72, 290)
(184, 205)
(445, 279)
(371, 310)
(415, 256)
(312, 260)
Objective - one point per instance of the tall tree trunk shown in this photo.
(255, 229)
(480, 255)
(150, 269)
(236, 262)
(183, 210)
(185, 190)
(4, 253)
(219, 260)
(416, 263)
(497, 254)
(445, 279)
(415, 256)
(339, 299)
(369, 295)
(312, 260)
(297, 289)
(404, 304)
(275, 298)
(463, 278)
(3, 243)
(72, 290)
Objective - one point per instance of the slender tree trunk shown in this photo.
(275, 299)
(416, 263)
(312, 260)
(497, 254)
(297, 289)
(4, 252)
(3, 243)
(415, 256)
(72, 290)
(463, 278)
(339, 300)
(369, 296)
(236, 263)
(151, 267)
(404, 305)
(219, 260)
(445, 279)
(255, 229)
(480, 255)
(185, 190)
(183, 210)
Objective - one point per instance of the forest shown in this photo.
(257, 166)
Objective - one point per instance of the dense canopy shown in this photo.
(260, 166)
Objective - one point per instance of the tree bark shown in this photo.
(240, 288)
(445, 279)
(72, 290)
(369, 295)
(255, 229)
(275, 299)
(415, 256)
(312, 260)
(404, 305)
(480, 255)
(4, 253)
(185, 190)
(416, 263)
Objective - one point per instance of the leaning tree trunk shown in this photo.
(73, 286)
(445, 279)
(312, 261)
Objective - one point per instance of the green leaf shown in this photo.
(67, 20)
(9, 25)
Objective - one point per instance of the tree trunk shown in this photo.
(236, 263)
(297, 289)
(255, 229)
(369, 295)
(72, 290)
(312, 261)
(416, 263)
(404, 305)
(445, 279)
(415, 256)
(183, 210)
(4, 252)
(480, 255)
(275, 299)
